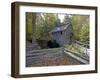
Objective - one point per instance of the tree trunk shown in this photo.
(34, 44)
(30, 28)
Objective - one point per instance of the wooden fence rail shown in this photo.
(82, 44)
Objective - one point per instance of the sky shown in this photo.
(61, 17)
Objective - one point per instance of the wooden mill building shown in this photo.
(62, 34)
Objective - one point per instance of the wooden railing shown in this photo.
(82, 44)
(77, 56)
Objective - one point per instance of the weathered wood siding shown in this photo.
(62, 37)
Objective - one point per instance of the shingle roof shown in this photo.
(60, 28)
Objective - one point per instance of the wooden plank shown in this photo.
(77, 57)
